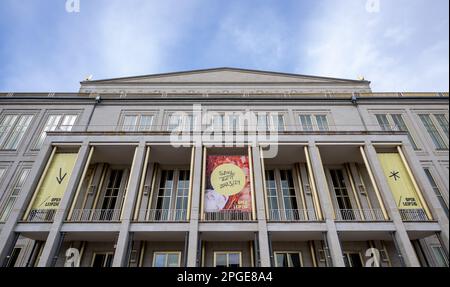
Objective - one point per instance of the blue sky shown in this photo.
(399, 45)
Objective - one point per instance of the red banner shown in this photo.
(227, 184)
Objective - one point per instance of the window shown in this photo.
(341, 193)
(433, 131)
(59, 122)
(436, 190)
(14, 256)
(227, 259)
(443, 122)
(314, 122)
(178, 122)
(288, 259)
(281, 194)
(112, 190)
(272, 122)
(395, 122)
(102, 259)
(439, 256)
(2, 172)
(166, 259)
(173, 193)
(353, 259)
(12, 130)
(271, 190)
(14, 194)
(138, 122)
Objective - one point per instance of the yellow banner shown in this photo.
(55, 182)
(399, 181)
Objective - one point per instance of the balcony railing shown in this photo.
(228, 215)
(83, 215)
(413, 215)
(292, 215)
(162, 215)
(41, 215)
(355, 215)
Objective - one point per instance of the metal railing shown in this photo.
(355, 215)
(41, 215)
(413, 215)
(162, 215)
(83, 215)
(228, 215)
(292, 215)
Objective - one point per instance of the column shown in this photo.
(122, 245)
(7, 233)
(195, 207)
(327, 206)
(54, 236)
(264, 246)
(401, 236)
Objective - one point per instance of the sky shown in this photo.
(51, 45)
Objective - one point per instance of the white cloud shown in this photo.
(392, 48)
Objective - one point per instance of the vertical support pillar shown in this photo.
(327, 206)
(127, 209)
(52, 244)
(193, 246)
(401, 236)
(264, 244)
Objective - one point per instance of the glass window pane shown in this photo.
(436, 190)
(383, 122)
(443, 122)
(129, 123)
(18, 132)
(433, 132)
(145, 123)
(172, 260)
(306, 122)
(294, 260)
(6, 126)
(51, 125)
(281, 260)
(68, 122)
(401, 126)
(159, 260)
(221, 260)
(322, 122)
(439, 255)
(234, 260)
(174, 123)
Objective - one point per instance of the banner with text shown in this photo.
(227, 184)
(55, 182)
(399, 181)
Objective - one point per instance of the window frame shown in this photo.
(394, 127)
(167, 253)
(138, 126)
(9, 192)
(9, 133)
(106, 253)
(177, 171)
(269, 123)
(315, 127)
(347, 253)
(441, 251)
(431, 176)
(43, 124)
(438, 128)
(279, 190)
(227, 253)
(186, 125)
(275, 253)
